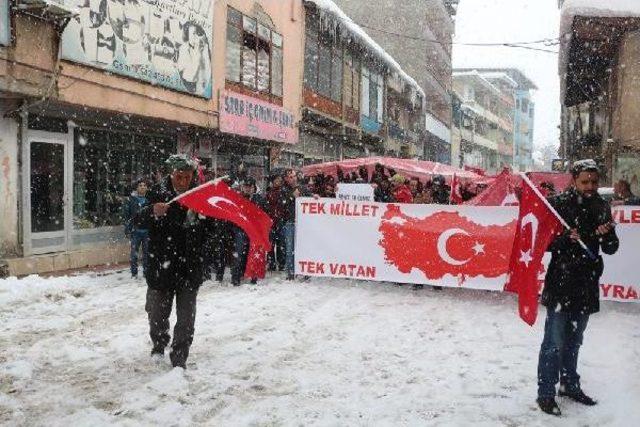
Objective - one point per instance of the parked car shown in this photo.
(607, 193)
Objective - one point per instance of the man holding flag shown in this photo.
(179, 220)
(574, 227)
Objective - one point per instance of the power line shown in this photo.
(546, 42)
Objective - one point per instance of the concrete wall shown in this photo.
(8, 187)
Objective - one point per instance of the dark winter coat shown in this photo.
(132, 206)
(288, 203)
(573, 279)
(177, 241)
(440, 196)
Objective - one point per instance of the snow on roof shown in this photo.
(588, 8)
(343, 21)
(479, 77)
(500, 76)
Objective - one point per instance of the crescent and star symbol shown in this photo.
(442, 246)
(216, 202)
(529, 219)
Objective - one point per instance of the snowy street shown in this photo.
(75, 351)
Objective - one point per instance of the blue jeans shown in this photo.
(289, 232)
(558, 360)
(139, 238)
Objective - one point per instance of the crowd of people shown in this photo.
(185, 249)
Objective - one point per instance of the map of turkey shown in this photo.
(445, 243)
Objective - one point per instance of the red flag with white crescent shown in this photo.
(217, 200)
(537, 227)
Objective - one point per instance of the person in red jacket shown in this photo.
(401, 192)
(275, 209)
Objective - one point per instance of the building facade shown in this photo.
(89, 105)
(599, 68)
(485, 113)
(418, 34)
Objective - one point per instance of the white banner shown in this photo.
(455, 246)
(354, 192)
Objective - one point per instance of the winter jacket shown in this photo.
(288, 201)
(440, 196)
(573, 279)
(177, 241)
(132, 206)
(275, 208)
(402, 194)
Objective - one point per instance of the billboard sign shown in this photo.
(165, 43)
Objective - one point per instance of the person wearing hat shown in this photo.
(177, 241)
(400, 191)
(248, 189)
(571, 287)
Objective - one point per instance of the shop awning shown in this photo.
(410, 168)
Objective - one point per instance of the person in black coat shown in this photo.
(571, 291)
(248, 189)
(177, 241)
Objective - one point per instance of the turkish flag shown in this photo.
(445, 243)
(456, 191)
(502, 192)
(537, 227)
(217, 200)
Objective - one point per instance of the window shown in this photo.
(105, 168)
(351, 82)
(525, 106)
(254, 55)
(364, 102)
(372, 101)
(323, 62)
(234, 45)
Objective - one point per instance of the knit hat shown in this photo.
(586, 165)
(397, 179)
(181, 162)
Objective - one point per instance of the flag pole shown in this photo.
(557, 215)
(193, 190)
(453, 181)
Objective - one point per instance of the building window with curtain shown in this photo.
(254, 55)
(351, 82)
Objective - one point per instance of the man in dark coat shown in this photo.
(177, 240)
(248, 189)
(571, 291)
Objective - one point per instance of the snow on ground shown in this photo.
(75, 351)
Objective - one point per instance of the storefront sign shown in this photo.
(246, 116)
(5, 27)
(167, 42)
(455, 246)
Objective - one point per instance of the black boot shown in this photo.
(549, 406)
(578, 396)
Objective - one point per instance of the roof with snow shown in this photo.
(589, 9)
(334, 17)
(523, 81)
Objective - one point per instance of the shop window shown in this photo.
(106, 166)
(254, 56)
